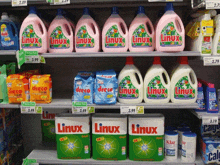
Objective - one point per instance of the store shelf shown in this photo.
(50, 157)
(66, 103)
(7, 52)
(200, 115)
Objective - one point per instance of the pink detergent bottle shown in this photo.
(115, 33)
(33, 33)
(87, 35)
(170, 33)
(60, 35)
(141, 33)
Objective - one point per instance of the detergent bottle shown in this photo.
(115, 34)
(87, 35)
(183, 83)
(130, 83)
(216, 39)
(16, 21)
(60, 35)
(9, 34)
(156, 84)
(141, 33)
(170, 33)
(33, 33)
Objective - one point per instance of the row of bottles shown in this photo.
(63, 36)
(157, 86)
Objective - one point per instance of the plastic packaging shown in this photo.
(171, 145)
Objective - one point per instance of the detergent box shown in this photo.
(72, 136)
(210, 149)
(83, 87)
(106, 87)
(109, 137)
(210, 130)
(146, 137)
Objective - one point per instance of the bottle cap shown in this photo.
(141, 10)
(169, 6)
(157, 60)
(114, 10)
(199, 84)
(171, 133)
(129, 61)
(85, 11)
(4, 16)
(59, 12)
(189, 134)
(33, 10)
(183, 60)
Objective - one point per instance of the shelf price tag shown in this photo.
(61, 2)
(211, 61)
(131, 109)
(82, 108)
(30, 107)
(212, 4)
(29, 162)
(16, 3)
(210, 120)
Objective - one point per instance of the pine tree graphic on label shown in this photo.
(169, 36)
(183, 89)
(58, 40)
(30, 38)
(83, 39)
(127, 89)
(140, 38)
(113, 39)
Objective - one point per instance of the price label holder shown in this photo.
(212, 4)
(82, 108)
(30, 162)
(131, 109)
(15, 3)
(61, 2)
(30, 108)
(211, 61)
(209, 120)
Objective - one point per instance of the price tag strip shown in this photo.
(131, 109)
(211, 61)
(209, 120)
(30, 108)
(212, 4)
(16, 3)
(61, 2)
(29, 161)
(82, 108)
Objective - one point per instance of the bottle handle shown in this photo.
(122, 26)
(178, 25)
(167, 78)
(70, 29)
(192, 78)
(148, 22)
(16, 30)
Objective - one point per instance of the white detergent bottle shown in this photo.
(183, 83)
(141, 33)
(115, 33)
(156, 84)
(130, 88)
(216, 39)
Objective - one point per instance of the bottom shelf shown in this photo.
(50, 157)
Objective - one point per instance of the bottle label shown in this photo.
(218, 46)
(113, 39)
(5, 38)
(58, 40)
(127, 90)
(200, 100)
(140, 38)
(206, 45)
(156, 90)
(183, 89)
(169, 36)
(30, 38)
(213, 106)
(83, 39)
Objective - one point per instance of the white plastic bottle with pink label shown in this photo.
(115, 33)
(60, 35)
(170, 32)
(33, 33)
(141, 33)
(87, 34)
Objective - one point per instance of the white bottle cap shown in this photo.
(4, 16)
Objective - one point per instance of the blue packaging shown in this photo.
(210, 149)
(211, 100)
(200, 99)
(106, 87)
(83, 87)
(9, 39)
(210, 130)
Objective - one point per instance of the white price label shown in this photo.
(32, 59)
(61, 2)
(81, 110)
(132, 109)
(28, 110)
(211, 61)
(210, 120)
(212, 4)
(15, 3)
(30, 107)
